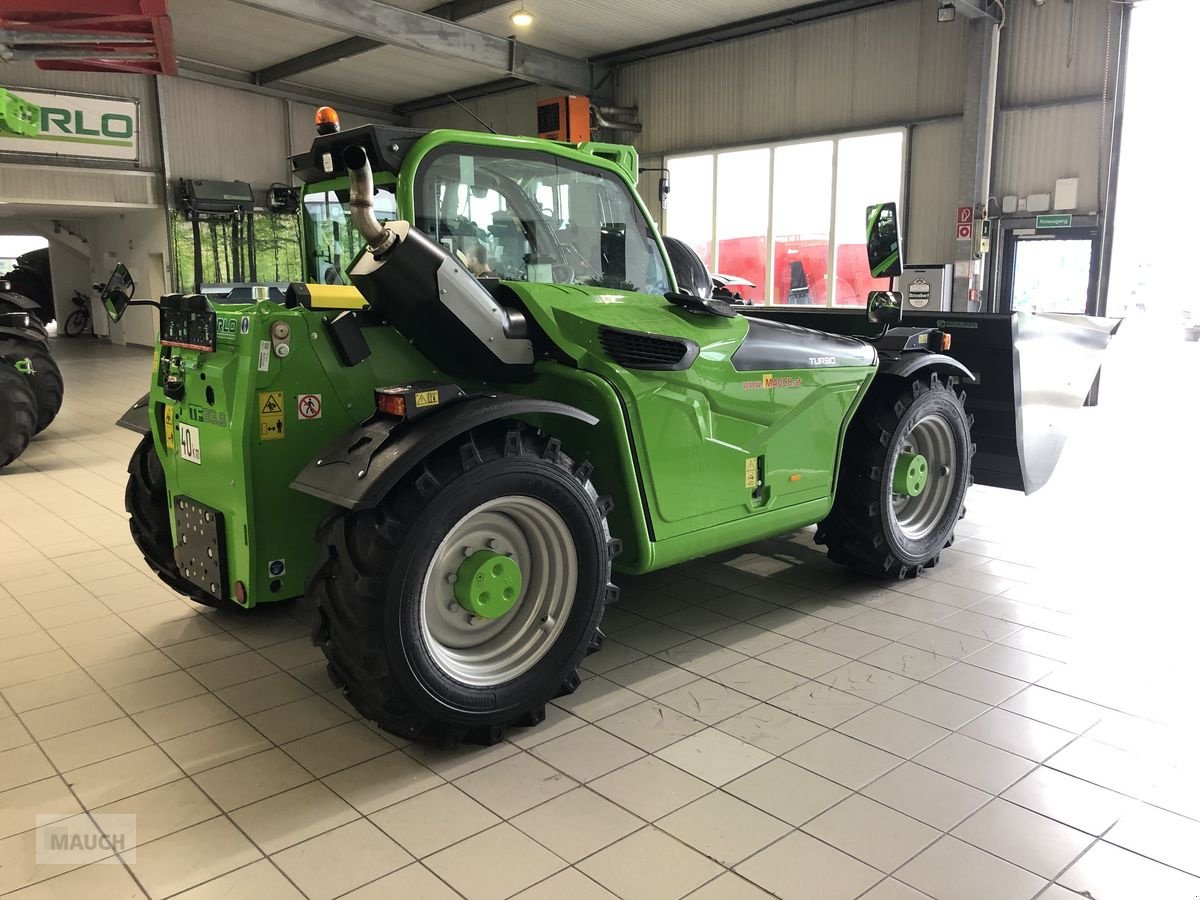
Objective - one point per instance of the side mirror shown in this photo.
(116, 294)
(885, 308)
(883, 241)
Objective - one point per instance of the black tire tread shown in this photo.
(47, 378)
(852, 532)
(18, 413)
(356, 553)
(150, 524)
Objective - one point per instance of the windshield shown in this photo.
(330, 240)
(534, 217)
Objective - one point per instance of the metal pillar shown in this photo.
(975, 156)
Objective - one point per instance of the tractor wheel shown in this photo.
(467, 598)
(150, 523)
(18, 412)
(46, 379)
(905, 472)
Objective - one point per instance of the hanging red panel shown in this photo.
(89, 35)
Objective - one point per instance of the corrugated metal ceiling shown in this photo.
(225, 33)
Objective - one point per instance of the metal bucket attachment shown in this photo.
(1033, 372)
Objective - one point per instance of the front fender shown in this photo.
(361, 466)
(905, 365)
(137, 417)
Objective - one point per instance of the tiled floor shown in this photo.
(1019, 723)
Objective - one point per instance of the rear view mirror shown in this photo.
(116, 294)
(885, 308)
(883, 241)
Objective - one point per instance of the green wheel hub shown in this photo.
(488, 584)
(911, 476)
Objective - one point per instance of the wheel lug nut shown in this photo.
(492, 543)
(451, 578)
(476, 620)
(944, 471)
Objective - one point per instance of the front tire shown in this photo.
(392, 624)
(150, 523)
(882, 524)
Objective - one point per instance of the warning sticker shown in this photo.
(308, 406)
(751, 472)
(427, 398)
(270, 415)
(169, 426)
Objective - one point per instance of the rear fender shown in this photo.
(358, 469)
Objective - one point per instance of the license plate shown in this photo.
(189, 443)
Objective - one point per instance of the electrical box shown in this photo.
(926, 287)
(1066, 193)
(567, 118)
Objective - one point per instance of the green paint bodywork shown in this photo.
(696, 461)
(487, 584)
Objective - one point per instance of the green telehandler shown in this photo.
(517, 389)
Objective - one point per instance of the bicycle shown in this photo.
(81, 319)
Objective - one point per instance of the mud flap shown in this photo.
(1033, 373)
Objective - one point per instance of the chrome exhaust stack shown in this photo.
(430, 296)
(380, 239)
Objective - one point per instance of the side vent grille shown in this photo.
(635, 350)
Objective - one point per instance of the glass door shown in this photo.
(1055, 272)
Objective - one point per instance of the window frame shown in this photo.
(588, 167)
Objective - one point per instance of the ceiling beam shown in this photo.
(375, 20)
(454, 11)
(787, 18)
(331, 53)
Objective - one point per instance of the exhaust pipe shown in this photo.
(362, 202)
(429, 295)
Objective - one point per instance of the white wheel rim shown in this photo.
(487, 652)
(917, 517)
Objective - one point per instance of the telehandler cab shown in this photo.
(511, 393)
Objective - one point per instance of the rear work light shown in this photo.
(413, 400)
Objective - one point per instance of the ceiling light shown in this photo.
(522, 18)
(945, 12)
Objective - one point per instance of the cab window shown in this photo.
(534, 217)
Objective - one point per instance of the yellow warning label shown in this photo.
(270, 415)
(169, 426)
(427, 398)
(751, 472)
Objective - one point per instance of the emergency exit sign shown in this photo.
(1053, 222)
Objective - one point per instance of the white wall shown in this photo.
(70, 270)
(138, 239)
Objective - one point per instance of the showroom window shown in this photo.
(788, 220)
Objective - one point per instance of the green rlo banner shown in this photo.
(55, 124)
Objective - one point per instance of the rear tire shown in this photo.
(18, 412)
(47, 380)
(872, 528)
(150, 524)
(385, 606)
